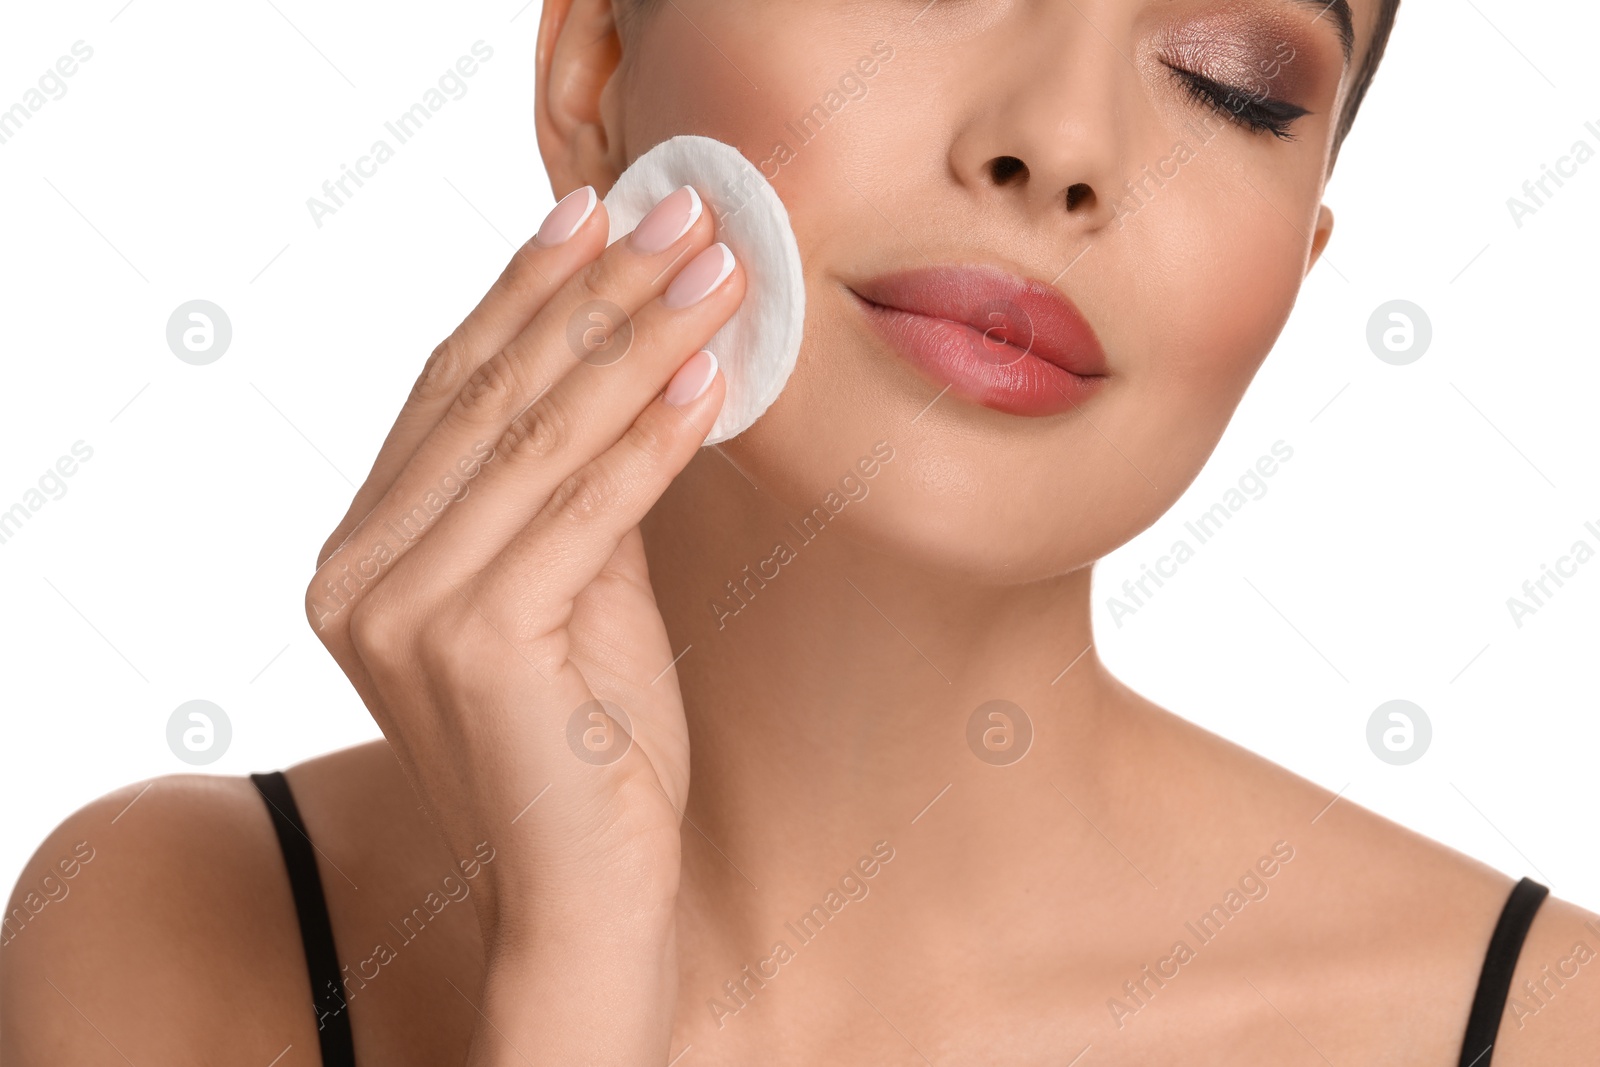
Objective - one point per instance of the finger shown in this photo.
(566, 545)
(581, 530)
(573, 234)
(577, 420)
(626, 275)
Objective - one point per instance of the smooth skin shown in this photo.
(829, 714)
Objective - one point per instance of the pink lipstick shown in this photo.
(1009, 343)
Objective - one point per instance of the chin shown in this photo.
(967, 491)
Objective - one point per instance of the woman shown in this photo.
(924, 823)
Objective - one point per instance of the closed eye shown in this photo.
(1252, 110)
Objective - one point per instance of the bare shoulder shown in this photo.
(1359, 856)
(1371, 937)
(156, 924)
(149, 924)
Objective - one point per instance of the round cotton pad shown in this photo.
(758, 346)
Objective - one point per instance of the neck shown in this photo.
(829, 688)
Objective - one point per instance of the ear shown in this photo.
(1319, 239)
(578, 53)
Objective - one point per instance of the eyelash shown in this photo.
(1256, 114)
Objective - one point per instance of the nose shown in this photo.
(1042, 135)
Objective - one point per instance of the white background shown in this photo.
(1377, 566)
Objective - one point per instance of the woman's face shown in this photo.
(1088, 145)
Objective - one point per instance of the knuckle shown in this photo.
(537, 433)
(376, 628)
(445, 367)
(598, 280)
(584, 496)
(490, 388)
(326, 619)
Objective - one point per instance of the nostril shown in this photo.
(1079, 195)
(1006, 169)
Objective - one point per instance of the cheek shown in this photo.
(815, 118)
(1220, 271)
(768, 70)
(1231, 265)
(678, 75)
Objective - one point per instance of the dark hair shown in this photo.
(1381, 27)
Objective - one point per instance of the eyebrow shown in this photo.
(1344, 22)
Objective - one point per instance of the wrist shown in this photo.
(542, 915)
(600, 994)
(594, 926)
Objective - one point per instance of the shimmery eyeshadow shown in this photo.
(1261, 54)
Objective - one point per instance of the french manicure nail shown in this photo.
(565, 218)
(692, 379)
(703, 274)
(667, 221)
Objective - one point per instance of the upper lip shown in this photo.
(1023, 312)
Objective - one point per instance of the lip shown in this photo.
(1012, 344)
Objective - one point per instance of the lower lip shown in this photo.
(998, 376)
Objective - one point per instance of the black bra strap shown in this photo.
(316, 933)
(1488, 1004)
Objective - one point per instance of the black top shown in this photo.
(1505, 944)
(333, 1022)
(316, 933)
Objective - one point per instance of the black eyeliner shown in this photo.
(1248, 109)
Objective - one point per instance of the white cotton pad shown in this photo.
(758, 346)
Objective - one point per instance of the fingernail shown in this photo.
(692, 379)
(703, 274)
(667, 221)
(565, 218)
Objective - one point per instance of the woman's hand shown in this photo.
(488, 590)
